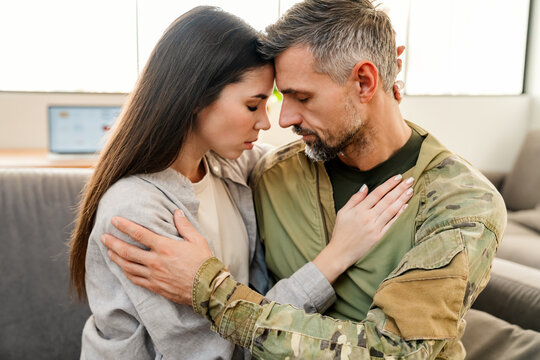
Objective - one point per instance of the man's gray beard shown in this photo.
(320, 151)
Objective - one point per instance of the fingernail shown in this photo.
(103, 240)
(109, 253)
(409, 191)
(409, 181)
(179, 213)
(114, 221)
(363, 188)
(398, 177)
(405, 206)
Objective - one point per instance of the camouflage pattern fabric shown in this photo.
(417, 311)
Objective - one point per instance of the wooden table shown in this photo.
(17, 158)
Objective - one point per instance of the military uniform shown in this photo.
(444, 245)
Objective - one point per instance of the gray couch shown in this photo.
(39, 319)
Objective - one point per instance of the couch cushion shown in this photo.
(521, 245)
(521, 187)
(487, 338)
(528, 218)
(512, 294)
(38, 318)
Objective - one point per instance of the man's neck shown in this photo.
(386, 132)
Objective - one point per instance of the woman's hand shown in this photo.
(361, 223)
(169, 267)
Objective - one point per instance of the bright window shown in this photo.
(68, 45)
(466, 47)
(462, 47)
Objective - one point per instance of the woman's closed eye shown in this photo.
(252, 108)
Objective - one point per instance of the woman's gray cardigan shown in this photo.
(129, 322)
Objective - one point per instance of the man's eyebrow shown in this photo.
(288, 91)
(260, 96)
(295, 91)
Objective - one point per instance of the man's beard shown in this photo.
(319, 150)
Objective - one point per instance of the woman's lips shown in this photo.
(249, 144)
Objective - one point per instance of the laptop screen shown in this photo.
(79, 129)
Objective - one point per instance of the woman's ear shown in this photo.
(366, 75)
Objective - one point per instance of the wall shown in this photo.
(23, 116)
(487, 131)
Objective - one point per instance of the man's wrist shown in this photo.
(203, 284)
(214, 289)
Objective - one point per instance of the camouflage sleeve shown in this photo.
(417, 311)
(274, 331)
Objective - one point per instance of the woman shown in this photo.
(180, 144)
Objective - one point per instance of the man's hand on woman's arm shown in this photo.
(169, 268)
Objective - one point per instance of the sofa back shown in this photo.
(38, 317)
(521, 186)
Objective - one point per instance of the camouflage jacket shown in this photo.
(417, 310)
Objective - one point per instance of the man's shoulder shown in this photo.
(454, 191)
(455, 170)
(280, 157)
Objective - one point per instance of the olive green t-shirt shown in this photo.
(347, 180)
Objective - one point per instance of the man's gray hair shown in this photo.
(339, 33)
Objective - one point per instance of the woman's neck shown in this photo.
(189, 161)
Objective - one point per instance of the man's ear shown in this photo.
(366, 76)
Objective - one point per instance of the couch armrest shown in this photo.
(496, 177)
(487, 337)
(512, 294)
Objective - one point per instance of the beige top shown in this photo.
(222, 225)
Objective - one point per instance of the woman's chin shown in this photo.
(231, 154)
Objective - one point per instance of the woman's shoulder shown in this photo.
(140, 201)
(135, 198)
(131, 189)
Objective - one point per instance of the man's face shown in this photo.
(326, 114)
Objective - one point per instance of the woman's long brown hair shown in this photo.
(199, 54)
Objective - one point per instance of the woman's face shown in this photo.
(231, 124)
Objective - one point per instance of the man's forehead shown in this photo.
(294, 70)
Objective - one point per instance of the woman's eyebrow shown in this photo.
(261, 96)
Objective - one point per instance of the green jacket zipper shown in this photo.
(321, 209)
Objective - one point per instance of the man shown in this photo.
(335, 65)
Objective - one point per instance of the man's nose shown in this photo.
(289, 115)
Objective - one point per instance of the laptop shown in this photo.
(79, 130)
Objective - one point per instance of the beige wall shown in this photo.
(23, 116)
(485, 130)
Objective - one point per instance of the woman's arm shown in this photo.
(126, 314)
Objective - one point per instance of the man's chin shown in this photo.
(319, 154)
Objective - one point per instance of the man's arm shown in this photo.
(393, 327)
(274, 331)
